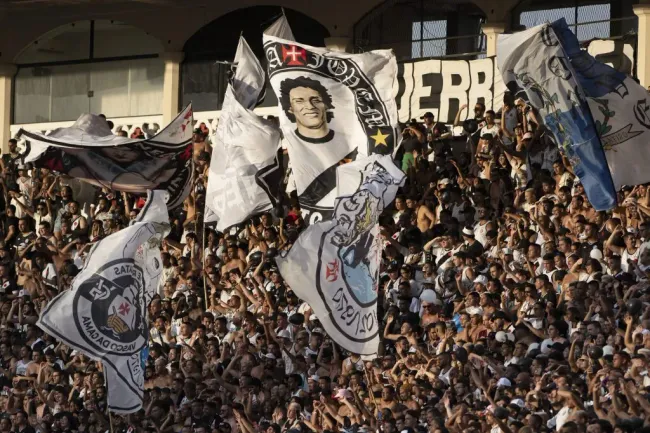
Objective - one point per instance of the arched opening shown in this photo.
(97, 66)
(422, 29)
(204, 81)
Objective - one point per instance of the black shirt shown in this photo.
(11, 221)
(438, 129)
(23, 239)
(441, 148)
(27, 429)
(474, 250)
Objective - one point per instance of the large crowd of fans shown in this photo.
(508, 304)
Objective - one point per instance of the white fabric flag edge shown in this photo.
(280, 28)
(249, 80)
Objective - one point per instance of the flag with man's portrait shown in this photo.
(104, 314)
(334, 264)
(245, 173)
(334, 107)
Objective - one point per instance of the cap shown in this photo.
(608, 350)
(428, 296)
(481, 279)
(467, 231)
(284, 334)
(504, 382)
(596, 254)
(297, 319)
(644, 352)
(342, 393)
(532, 346)
(487, 136)
(507, 251)
(500, 337)
(270, 355)
(427, 114)
(444, 181)
(528, 136)
(517, 401)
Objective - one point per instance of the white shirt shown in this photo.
(560, 419)
(494, 130)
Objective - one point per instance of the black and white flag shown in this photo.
(88, 150)
(245, 174)
(104, 314)
(334, 107)
(334, 265)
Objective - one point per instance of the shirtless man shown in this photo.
(426, 219)
(162, 377)
(34, 367)
(233, 261)
(387, 400)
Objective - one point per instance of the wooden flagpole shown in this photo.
(110, 418)
(205, 286)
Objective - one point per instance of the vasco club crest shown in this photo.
(349, 258)
(108, 309)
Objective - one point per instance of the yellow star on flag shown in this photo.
(380, 138)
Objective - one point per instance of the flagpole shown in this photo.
(110, 418)
(205, 286)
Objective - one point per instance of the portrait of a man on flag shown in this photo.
(334, 108)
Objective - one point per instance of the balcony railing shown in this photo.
(128, 124)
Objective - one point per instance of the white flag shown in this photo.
(535, 61)
(245, 174)
(620, 109)
(249, 79)
(334, 265)
(88, 150)
(280, 29)
(333, 107)
(104, 314)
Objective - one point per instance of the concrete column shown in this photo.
(492, 31)
(643, 44)
(338, 43)
(171, 85)
(7, 73)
